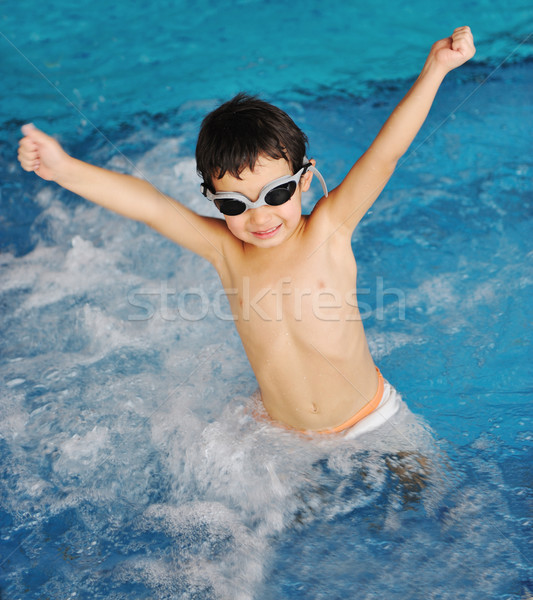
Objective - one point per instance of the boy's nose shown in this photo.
(260, 216)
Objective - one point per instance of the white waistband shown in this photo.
(389, 405)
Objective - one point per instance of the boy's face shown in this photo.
(267, 226)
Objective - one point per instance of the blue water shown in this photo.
(131, 467)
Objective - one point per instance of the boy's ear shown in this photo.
(305, 181)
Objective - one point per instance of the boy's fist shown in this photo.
(40, 153)
(453, 51)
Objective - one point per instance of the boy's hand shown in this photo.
(452, 52)
(41, 153)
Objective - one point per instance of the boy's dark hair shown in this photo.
(234, 135)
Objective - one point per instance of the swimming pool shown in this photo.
(131, 465)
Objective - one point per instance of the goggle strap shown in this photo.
(322, 182)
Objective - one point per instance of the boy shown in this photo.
(290, 279)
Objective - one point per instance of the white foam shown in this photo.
(24, 272)
(437, 292)
(383, 344)
(106, 332)
(45, 196)
(13, 417)
(211, 528)
(236, 477)
(53, 274)
(85, 449)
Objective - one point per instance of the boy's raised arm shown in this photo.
(368, 176)
(124, 194)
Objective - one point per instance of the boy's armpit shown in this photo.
(348, 203)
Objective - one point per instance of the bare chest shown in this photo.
(292, 294)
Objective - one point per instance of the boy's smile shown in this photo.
(268, 233)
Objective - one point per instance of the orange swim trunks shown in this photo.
(364, 412)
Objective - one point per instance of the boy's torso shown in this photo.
(295, 309)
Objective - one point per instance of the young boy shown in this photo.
(290, 278)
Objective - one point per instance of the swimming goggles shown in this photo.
(275, 193)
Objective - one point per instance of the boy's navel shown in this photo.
(314, 408)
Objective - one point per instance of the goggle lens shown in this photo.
(281, 194)
(230, 207)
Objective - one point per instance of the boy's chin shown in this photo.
(270, 243)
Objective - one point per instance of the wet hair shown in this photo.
(238, 132)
